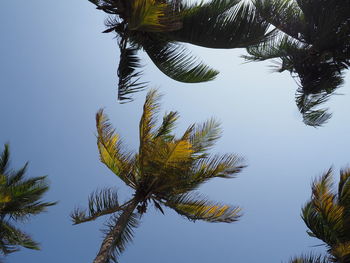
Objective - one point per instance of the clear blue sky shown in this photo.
(57, 70)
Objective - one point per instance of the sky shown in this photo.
(57, 69)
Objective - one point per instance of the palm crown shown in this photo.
(327, 215)
(19, 199)
(312, 42)
(165, 172)
(159, 27)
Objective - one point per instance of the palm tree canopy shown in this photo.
(327, 214)
(311, 41)
(165, 171)
(20, 198)
(159, 27)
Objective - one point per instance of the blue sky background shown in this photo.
(57, 70)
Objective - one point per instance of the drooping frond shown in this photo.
(129, 77)
(153, 16)
(112, 152)
(221, 24)
(101, 203)
(287, 16)
(308, 106)
(12, 238)
(175, 61)
(196, 207)
(119, 232)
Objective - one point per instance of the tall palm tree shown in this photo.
(327, 215)
(312, 42)
(160, 26)
(165, 171)
(20, 198)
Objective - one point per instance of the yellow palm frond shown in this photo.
(196, 207)
(109, 146)
(153, 16)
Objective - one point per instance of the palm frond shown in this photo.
(203, 136)
(308, 105)
(12, 238)
(196, 207)
(112, 152)
(310, 258)
(4, 159)
(167, 126)
(176, 62)
(147, 125)
(221, 24)
(287, 16)
(101, 203)
(153, 16)
(129, 77)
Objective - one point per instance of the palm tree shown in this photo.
(327, 215)
(312, 42)
(159, 27)
(165, 172)
(20, 198)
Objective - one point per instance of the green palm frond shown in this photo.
(112, 152)
(4, 159)
(204, 136)
(167, 126)
(308, 106)
(287, 16)
(310, 258)
(175, 61)
(101, 203)
(129, 77)
(196, 207)
(119, 231)
(12, 237)
(221, 24)
(344, 188)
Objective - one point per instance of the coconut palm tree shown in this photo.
(20, 198)
(327, 215)
(159, 27)
(312, 42)
(165, 171)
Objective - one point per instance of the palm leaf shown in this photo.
(308, 107)
(153, 16)
(177, 63)
(4, 159)
(203, 136)
(195, 207)
(167, 126)
(119, 161)
(12, 237)
(129, 78)
(310, 258)
(221, 24)
(101, 203)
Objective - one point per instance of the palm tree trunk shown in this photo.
(107, 244)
